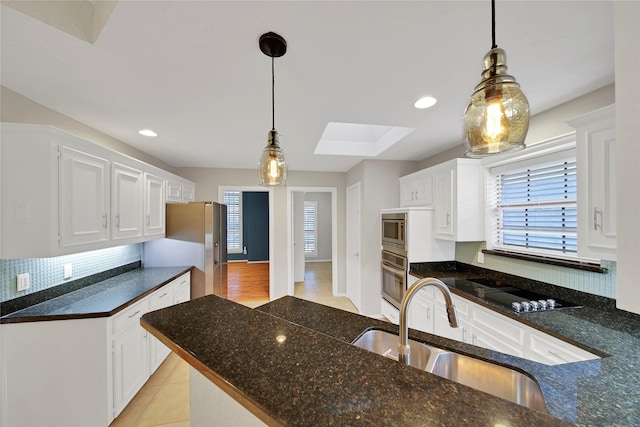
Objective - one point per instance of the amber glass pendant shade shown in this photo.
(272, 169)
(497, 117)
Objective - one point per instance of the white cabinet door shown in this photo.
(497, 332)
(182, 289)
(416, 189)
(83, 198)
(130, 365)
(154, 208)
(420, 315)
(174, 192)
(161, 298)
(443, 221)
(126, 202)
(596, 176)
(459, 200)
(188, 192)
(441, 321)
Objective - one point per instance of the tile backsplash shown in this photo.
(45, 273)
(579, 280)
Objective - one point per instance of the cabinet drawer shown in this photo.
(161, 298)
(553, 351)
(129, 316)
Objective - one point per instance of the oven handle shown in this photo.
(392, 268)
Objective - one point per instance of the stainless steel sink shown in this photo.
(488, 377)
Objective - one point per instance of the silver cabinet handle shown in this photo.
(597, 212)
(164, 295)
(104, 221)
(117, 224)
(148, 219)
(557, 355)
(134, 314)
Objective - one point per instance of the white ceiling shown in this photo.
(192, 71)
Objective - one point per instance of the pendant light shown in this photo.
(272, 168)
(497, 117)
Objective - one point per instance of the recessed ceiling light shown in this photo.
(147, 132)
(425, 102)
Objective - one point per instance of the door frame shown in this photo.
(334, 235)
(348, 264)
(243, 188)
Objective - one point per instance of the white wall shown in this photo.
(627, 54)
(380, 189)
(16, 108)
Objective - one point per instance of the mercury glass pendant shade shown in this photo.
(272, 168)
(497, 117)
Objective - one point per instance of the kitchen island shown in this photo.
(289, 362)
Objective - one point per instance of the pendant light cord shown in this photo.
(273, 102)
(493, 25)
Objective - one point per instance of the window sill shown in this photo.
(595, 268)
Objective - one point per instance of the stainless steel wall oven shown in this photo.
(394, 277)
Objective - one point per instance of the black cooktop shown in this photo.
(504, 294)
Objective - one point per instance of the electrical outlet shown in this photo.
(22, 282)
(480, 257)
(68, 271)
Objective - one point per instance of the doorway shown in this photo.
(250, 232)
(298, 238)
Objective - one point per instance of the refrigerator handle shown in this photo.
(216, 253)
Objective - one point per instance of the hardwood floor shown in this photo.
(247, 282)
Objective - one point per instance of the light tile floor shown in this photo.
(164, 399)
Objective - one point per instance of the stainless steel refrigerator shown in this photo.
(196, 234)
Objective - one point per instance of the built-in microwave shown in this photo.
(394, 233)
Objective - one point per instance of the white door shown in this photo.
(298, 237)
(353, 245)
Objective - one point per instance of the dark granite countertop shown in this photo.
(102, 299)
(314, 377)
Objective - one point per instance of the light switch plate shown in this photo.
(22, 282)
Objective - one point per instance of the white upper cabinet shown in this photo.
(126, 201)
(596, 173)
(154, 211)
(417, 189)
(459, 200)
(180, 191)
(83, 198)
(62, 194)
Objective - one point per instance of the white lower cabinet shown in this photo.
(130, 365)
(79, 372)
(486, 328)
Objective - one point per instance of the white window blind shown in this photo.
(233, 200)
(535, 207)
(311, 228)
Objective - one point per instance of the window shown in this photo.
(533, 206)
(310, 228)
(233, 200)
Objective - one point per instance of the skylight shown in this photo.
(353, 139)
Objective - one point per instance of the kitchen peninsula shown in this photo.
(289, 362)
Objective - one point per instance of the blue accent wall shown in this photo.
(255, 224)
